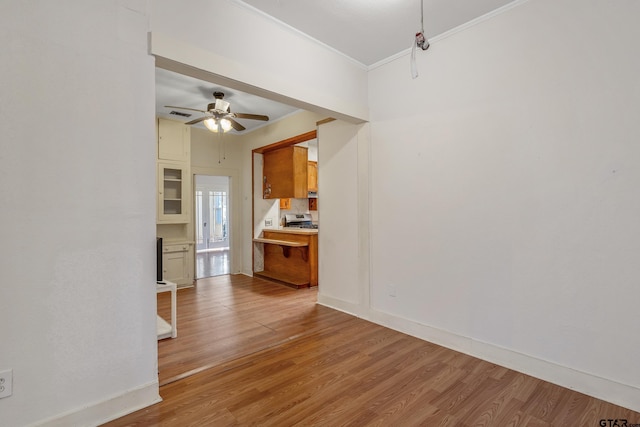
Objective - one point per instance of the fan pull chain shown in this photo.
(219, 142)
(420, 41)
(224, 149)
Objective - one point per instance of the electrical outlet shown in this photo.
(6, 383)
(268, 222)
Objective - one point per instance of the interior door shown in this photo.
(212, 212)
(202, 221)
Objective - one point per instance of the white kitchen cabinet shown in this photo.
(173, 201)
(174, 185)
(175, 263)
(174, 141)
(173, 193)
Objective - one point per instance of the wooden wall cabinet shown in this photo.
(285, 204)
(285, 173)
(312, 176)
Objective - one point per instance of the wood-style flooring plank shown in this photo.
(227, 316)
(252, 352)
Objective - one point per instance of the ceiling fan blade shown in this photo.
(198, 120)
(251, 116)
(184, 108)
(237, 126)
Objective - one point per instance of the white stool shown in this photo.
(165, 329)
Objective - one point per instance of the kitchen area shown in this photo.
(285, 211)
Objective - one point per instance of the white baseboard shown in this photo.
(605, 389)
(339, 305)
(107, 410)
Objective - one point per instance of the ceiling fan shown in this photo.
(218, 116)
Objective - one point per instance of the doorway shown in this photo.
(282, 268)
(212, 231)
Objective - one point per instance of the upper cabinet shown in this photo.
(285, 173)
(172, 193)
(285, 204)
(312, 177)
(174, 185)
(174, 141)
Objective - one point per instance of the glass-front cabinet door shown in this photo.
(173, 180)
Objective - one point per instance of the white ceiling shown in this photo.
(372, 30)
(368, 31)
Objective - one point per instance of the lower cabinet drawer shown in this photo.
(175, 248)
(175, 263)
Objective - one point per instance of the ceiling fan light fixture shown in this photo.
(211, 124)
(225, 124)
(218, 117)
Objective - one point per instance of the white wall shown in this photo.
(263, 209)
(208, 150)
(77, 179)
(312, 155)
(517, 149)
(343, 240)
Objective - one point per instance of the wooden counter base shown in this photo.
(290, 258)
(290, 281)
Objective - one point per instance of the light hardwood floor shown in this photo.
(250, 352)
(212, 263)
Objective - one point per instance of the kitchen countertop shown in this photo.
(293, 230)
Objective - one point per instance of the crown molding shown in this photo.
(451, 32)
(297, 32)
